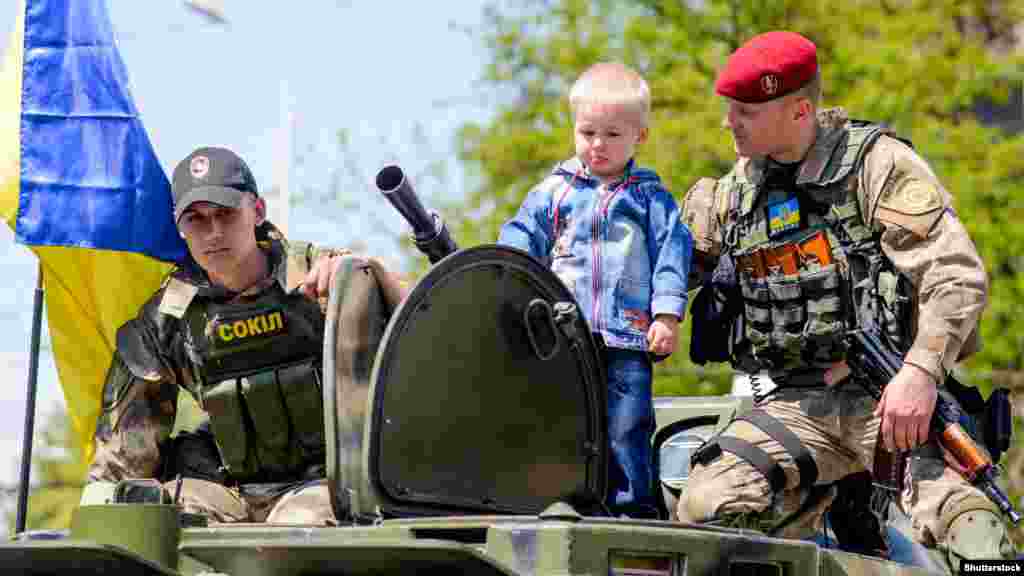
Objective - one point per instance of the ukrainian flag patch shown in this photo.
(783, 216)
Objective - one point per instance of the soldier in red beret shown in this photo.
(827, 221)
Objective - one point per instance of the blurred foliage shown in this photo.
(919, 66)
(59, 469)
(58, 472)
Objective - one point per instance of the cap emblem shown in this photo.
(199, 167)
(770, 84)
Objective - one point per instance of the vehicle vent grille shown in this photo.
(748, 568)
(463, 535)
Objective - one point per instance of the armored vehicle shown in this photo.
(472, 441)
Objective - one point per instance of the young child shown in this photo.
(613, 234)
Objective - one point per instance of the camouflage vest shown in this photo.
(257, 372)
(805, 257)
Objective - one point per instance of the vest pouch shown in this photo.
(788, 318)
(301, 389)
(787, 346)
(824, 325)
(756, 313)
(895, 310)
(222, 402)
(759, 340)
(784, 288)
(756, 290)
(270, 422)
(789, 314)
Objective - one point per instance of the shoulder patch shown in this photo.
(914, 197)
(177, 296)
(913, 204)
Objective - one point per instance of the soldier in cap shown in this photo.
(818, 207)
(239, 325)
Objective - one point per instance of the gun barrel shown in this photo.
(392, 183)
(428, 230)
(987, 482)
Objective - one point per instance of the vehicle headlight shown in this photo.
(674, 454)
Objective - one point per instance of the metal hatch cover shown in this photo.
(487, 390)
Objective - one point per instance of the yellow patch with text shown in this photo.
(258, 325)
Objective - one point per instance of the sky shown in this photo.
(398, 77)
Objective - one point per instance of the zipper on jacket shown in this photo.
(603, 201)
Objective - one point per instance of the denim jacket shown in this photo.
(620, 248)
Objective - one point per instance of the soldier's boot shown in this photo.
(977, 535)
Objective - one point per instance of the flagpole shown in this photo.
(30, 404)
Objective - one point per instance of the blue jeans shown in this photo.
(630, 430)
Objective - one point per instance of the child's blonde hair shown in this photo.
(612, 83)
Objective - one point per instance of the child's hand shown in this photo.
(661, 336)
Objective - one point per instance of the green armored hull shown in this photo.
(558, 541)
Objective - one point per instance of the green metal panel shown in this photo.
(467, 415)
(835, 563)
(669, 410)
(359, 557)
(151, 531)
(78, 557)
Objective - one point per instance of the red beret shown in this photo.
(768, 66)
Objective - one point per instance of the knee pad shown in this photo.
(977, 535)
(696, 501)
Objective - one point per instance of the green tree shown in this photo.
(919, 66)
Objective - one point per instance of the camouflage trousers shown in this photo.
(301, 503)
(837, 426)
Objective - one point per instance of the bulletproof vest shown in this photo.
(257, 373)
(804, 257)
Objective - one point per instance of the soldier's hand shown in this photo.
(318, 281)
(906, 409)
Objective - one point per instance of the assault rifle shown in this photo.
(874, 360)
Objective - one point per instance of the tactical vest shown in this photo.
(804, 258)
(257, 370)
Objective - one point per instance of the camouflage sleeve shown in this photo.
(139, 407)
(317, 252)
(703, 212)
(302, 256)
(926, 241)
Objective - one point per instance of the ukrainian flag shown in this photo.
(81, 186)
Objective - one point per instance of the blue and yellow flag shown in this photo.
(81, 186)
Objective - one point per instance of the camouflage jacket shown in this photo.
(150, 363)
(911, 214)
